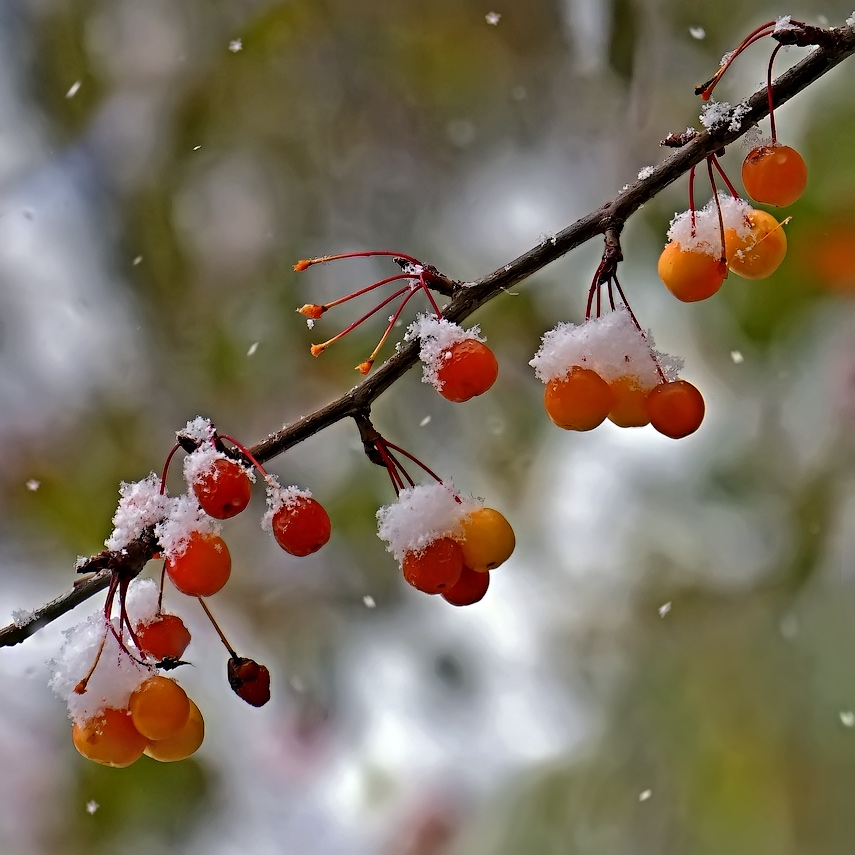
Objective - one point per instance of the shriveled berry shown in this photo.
(159, 707)
(301, 526)
(109, 739)
(435, 568)
(467, 368)
(676, 409)
(249, 680)
(469, 588)
(224, 489)
(202, 568)
(580, 400)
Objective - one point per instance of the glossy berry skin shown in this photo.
(689, 274)
(630, 406)
(159, 707)
(759, 253)
(109, 739)
(301, 526)
(580, 400)
(203, 568)
(181, 744)
(676, 409)
(488, 540)
(774, 174)
(224, 490)
(468, 368)
(166, 637)
(249, 680)
(436, 568)
(469, 588)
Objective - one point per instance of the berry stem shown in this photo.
(414, 459)
(723, 174)
(217, 628)
(318, 349)
(368, 288)
(305, 263)
(641, 332)
(365, 367)
(166, 468)
(772, 128)
(692, 215)
(717, 204)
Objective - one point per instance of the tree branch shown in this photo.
(836, 45)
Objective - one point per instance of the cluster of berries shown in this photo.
(729, 234)
(123, 707)
(445, 544)
(608, 367)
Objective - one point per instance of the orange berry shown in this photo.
(249, 680)
(690, 274)
(166, 637)
(774, 174)
(467, 368)
(159, 707)
(436, 567)
(630, 406)
(301, 526)
(759, 253)
(109, 738)
(202, 568)
(580, 400)
(488, 540)
(676, 409)
(223, 490)
(181, 744)
(469, 588)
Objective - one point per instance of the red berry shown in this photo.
(676, 409)
(630, 406)
(690, 274)
(580, 400)
(224, 489)
(774, 174)
(760, 250)
(435, 568)
(159, 707)
(166, 637)
(469, 588)
(467, 368)
(249, 680)
(109, 738)
(202, 568)
(301, 526)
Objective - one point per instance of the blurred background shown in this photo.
(664, 666)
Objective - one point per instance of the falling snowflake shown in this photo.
(492, 18)
(236, 45)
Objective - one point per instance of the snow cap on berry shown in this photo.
(115, 677)
(185, 517)
(421, 515)
(201, 463)
(437, 335)
(612, 345)
(278, 497)
(704, 235)
(140, 506)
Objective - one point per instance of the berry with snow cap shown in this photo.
(298, 521)
(456, 362)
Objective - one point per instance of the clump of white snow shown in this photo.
(279, 497)
(200, 430)
(784, 23)
(612, 345)
(437, 335)
(646, 172)
(715, 113)
(704, 235)
(184, 519)
(141, 505)
(421, 515)
(201, 463)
